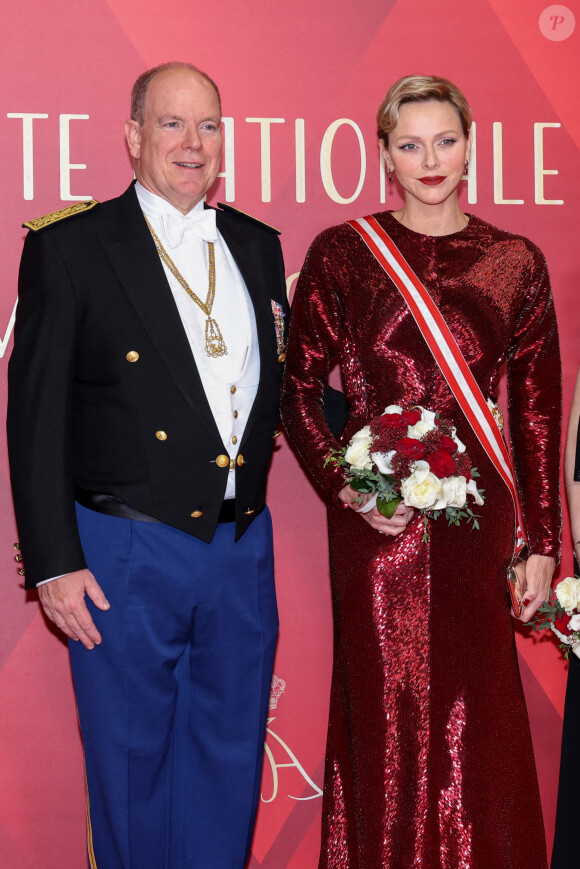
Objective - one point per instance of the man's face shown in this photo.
(178, 149)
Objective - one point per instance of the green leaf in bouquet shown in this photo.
(336, 457)
(473, 517)
(361, 484)
(453, 515)
(385, 488)
(387, 508)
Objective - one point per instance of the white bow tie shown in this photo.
(202, 223)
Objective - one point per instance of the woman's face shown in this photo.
(427, 151)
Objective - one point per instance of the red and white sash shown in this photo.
(447, 354)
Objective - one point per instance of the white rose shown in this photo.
(568, 593)
(472, 490)
(574, 623)
(453, 494)
(383, 461)
(422, 489)
(357, 453)
(419, 429)
(393, 408)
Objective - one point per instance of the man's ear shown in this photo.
(133, 136)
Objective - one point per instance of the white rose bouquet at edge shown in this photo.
(411, 455)
(561, 614)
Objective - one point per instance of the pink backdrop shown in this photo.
(300, 85)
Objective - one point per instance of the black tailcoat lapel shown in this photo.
(245, 249)
(133, 255)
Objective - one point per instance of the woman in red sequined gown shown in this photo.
(429, 758)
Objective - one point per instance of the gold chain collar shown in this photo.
(214, 342)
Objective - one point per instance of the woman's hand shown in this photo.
(535, 585)
(393, 526)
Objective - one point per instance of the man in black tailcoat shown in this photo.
(143, 402)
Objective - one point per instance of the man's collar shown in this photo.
(151, 203)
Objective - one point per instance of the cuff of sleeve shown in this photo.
(548, 551)
(51, 579)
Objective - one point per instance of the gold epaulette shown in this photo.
(54, 216)
(237, 211)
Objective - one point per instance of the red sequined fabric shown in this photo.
(429, 757)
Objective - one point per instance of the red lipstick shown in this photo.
(432, 180)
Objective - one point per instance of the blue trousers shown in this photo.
(173, 703)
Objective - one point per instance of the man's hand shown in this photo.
(393, 526)
(535, 586)
(63, 601)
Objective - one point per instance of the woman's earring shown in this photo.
(466, 167)
(390, 174)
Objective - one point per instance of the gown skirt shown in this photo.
(429, 759)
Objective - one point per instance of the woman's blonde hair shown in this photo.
(420, 89)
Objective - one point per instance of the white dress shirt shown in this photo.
(232, 310)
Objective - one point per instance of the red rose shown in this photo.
(388, 423)
(448, 444)
(410, 417)
(561, 623)
(441, 464)
(411, 447)
(394, 420)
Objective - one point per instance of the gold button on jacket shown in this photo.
(249, 512)
(132, 356)
(240, 460)
(196, 514)
(222, 461)
(161, 435)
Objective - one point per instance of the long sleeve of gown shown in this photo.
(313, 346)
(535, 408)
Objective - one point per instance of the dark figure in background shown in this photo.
(567, 837)
(144, 390)
(427, 711)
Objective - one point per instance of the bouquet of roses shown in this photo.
(561, 614)
(411, 455)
